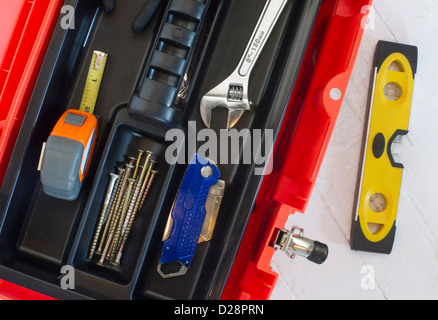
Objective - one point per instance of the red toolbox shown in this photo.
(245, 271)
(304, 137)
(26, 28)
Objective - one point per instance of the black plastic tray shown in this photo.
(40, 234)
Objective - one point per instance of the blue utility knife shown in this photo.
(187, 217)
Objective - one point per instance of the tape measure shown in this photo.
(66, 156)
(380, 174)
(93, 82)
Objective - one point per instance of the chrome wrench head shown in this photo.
(228, 94)
(233, 92)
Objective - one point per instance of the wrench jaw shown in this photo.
(234, 116)
(208, 104)
(233, 96)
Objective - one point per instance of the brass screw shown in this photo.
(112, 208)
(133, 208)
(145, 184)
(138, 203)
(153, 174)
(131, 220)
(123, 222)
(104, 212)
(140, 154)
(131, 160)
(145, 166)
(125, 228)
(116, 213)
(121, 219)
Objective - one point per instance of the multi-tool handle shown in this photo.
(168, 62)
(188, 214)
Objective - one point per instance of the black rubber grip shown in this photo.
(385, 49)
(319, 253)
(169, 61)
(358, 241)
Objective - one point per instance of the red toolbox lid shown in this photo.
(25, 31)
(304, 138)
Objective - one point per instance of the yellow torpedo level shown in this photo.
(380, 174)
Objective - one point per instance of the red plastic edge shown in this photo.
(10, 291)
(304, 137)
(26, 31)
(30, 25)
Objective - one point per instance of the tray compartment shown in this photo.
(270, 96)
(37, 230)
(20, 193)
(127, 136)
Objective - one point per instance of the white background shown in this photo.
(411, 270)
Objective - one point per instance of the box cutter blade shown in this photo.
(187, 216)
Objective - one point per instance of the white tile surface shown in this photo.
(411, 270)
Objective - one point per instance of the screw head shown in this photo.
(206, 172)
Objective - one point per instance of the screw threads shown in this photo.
(122, 174)
(124, 198)
(140, 153)
(121, 219)
(134, 206)
(117, 212)
(126, 228)
(145, 194)
(114, 178)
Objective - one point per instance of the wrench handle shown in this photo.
(268, 19)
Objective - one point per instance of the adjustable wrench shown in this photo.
(233, 92)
